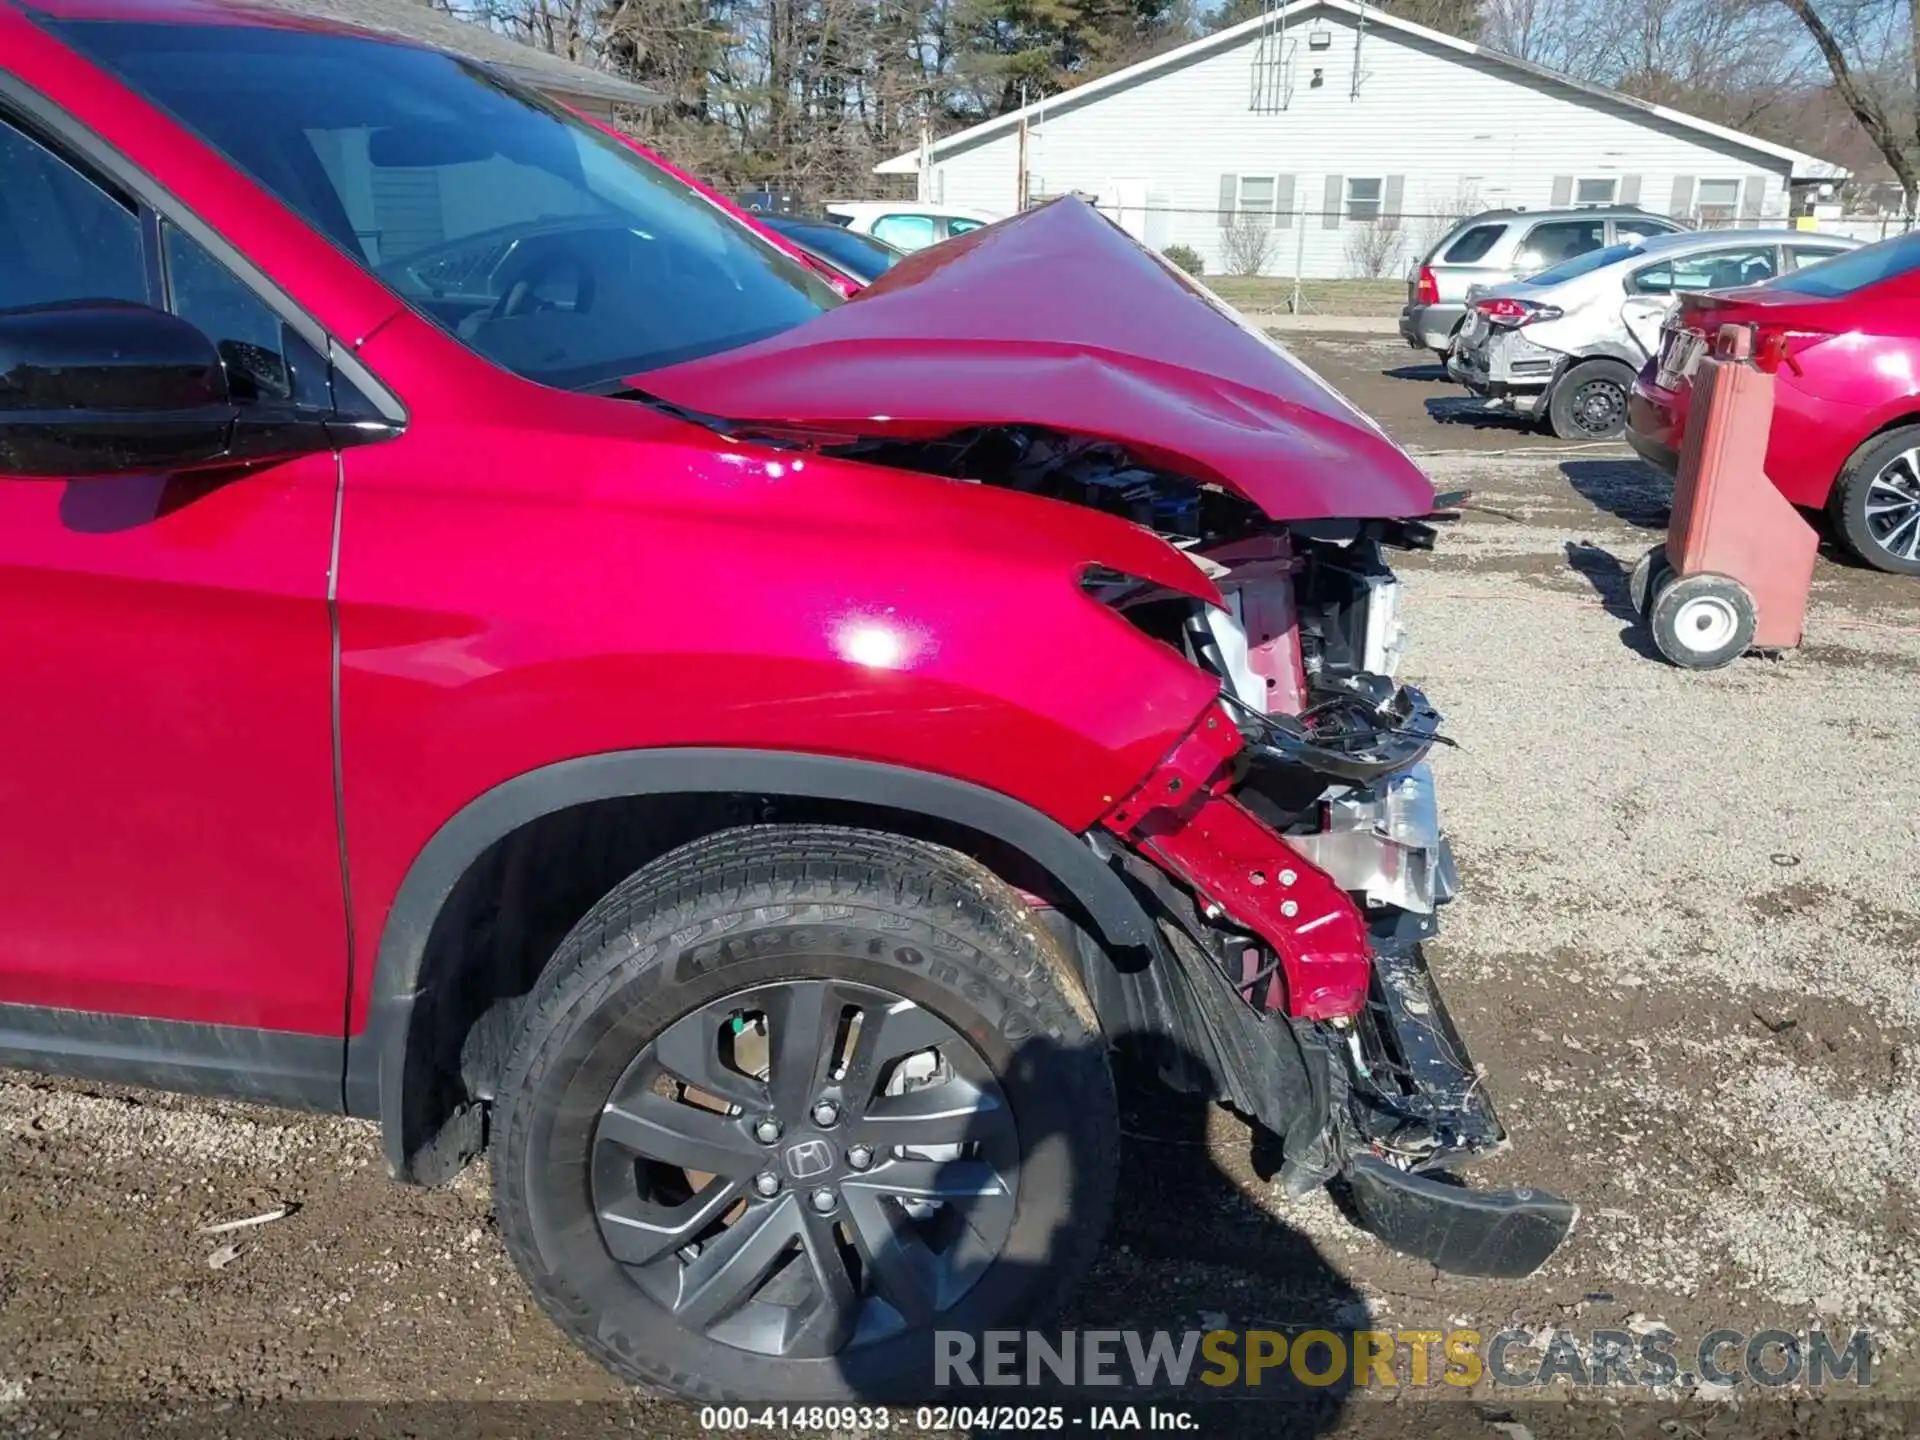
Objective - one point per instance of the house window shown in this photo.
(1363, 198)
(1717, 201)
(1256, 193)
(1595, 192)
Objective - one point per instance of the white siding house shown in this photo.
(1327, 114)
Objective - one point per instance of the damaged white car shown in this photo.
(1564, 345)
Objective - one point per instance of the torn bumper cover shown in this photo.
(1326, 1028)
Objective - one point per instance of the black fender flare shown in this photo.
(376, 1065)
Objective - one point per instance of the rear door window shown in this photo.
(1473, 246)
(957, 226)
(909, 232)
(1559, 240)
(1857, 269)
(1640, 227)
(1709, 270)
(1801, 256)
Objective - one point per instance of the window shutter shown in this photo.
(1629, 189)
(407, 210)
(1229, 197)
(1333, 196)
(1754, 194)
(1393, 195)
(1562, 191)
(1680, 205)
(1283, 201)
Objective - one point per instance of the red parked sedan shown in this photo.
(1846, 421)
(495, 645)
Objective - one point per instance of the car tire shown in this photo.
(1589, 402)
(635, 1073)
(1702, 622)
(1882, 476)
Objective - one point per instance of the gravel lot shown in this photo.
(1684, 955)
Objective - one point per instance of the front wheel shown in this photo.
(790, 1100)
(1590, 401)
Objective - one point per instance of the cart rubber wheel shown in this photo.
(1647, 578)
(1702, 622)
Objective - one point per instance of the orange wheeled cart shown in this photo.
(1737, 564)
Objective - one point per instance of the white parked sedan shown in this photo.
(1565, 344)
(907, 224)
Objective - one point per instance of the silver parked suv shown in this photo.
(1497, 246)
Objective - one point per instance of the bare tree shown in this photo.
(1519, 27)
(1870, 104)
(1246, 244)
(1444, 210)
(1373, 246)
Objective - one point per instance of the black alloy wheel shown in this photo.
(1876, 504)
(792, 1100)
(804, 1166)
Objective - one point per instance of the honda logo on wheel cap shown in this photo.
(809, 1158)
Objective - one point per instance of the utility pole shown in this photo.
(925, 193)
(1020, 181)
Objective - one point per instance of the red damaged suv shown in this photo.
(496, 646)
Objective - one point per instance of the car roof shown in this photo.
(1716, 239)
(906, 207)
(1565, 212)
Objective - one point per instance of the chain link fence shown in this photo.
(1297, 257)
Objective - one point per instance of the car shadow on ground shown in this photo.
(1628, 489)
(1472, 411)
(1187, 1252)
(1433, 371)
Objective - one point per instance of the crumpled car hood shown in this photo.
(1058, 319)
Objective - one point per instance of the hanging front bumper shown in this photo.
(1293, 986)
(1416, 1108)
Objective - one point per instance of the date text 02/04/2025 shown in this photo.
(937, 1419)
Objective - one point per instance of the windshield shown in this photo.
(1582, 265)
(862, 255)
(1856, 269)
(537, 240)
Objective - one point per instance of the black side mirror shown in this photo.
(101, 387)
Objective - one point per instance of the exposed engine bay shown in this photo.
(1306, 650)
(1292, 845)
